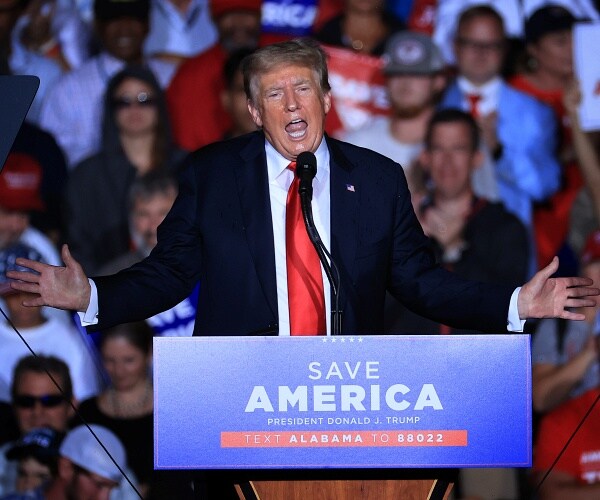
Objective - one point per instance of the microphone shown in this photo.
(306, 169)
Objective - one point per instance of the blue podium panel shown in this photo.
(342, 402)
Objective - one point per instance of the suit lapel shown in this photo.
(252, 184)
(253, 188)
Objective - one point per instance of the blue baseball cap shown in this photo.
(8, 258)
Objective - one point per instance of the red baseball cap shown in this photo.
(20, 182)
(591, 250)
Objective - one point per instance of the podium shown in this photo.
(410, 486)
(341, 417)
(16, 95)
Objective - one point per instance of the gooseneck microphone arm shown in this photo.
(306, 169)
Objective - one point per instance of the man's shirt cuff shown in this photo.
(90, 316)
(514, 323)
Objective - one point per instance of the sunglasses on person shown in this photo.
(47, 400)
(142, 99)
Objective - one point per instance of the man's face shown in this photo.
(31, 417)
(147, 215)
(12, 225)
(410, 95)
(235, 103)
(450, 159)
(86, 485)
(479, 48)
(31, 474)
(291, 108)
(124, 37)
(239, 29)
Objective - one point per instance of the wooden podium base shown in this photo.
(325, 484)
(416, 489)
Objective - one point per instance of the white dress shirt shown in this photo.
(280, 179)
(182, 34)
(488, 91)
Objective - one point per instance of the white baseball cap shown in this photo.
(82, 448)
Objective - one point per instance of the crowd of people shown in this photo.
(481, 112)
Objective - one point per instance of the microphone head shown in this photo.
(306, 165)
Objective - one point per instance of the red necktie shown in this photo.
(474, 104)
(305, 282)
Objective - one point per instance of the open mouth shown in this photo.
(296, 128)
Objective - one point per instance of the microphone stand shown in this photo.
(323, 253)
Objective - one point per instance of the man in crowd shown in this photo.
(36, 455)
(15, 59)
(37, 402)
(414, 80)
(179, 29)
(469, 233)
(518, 131)
(233, 97)
(85, 469)
(20, 199)
(48, 336)
(150, 199)
(194, 91)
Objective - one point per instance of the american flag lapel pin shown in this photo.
(350, 187)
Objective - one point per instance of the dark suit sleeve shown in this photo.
(167, 276)
(427, 289)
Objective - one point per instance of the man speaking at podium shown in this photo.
(237, 228)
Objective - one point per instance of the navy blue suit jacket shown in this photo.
(219, 231)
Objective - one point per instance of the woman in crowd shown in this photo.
(364, 26)
(125, 407)
(136, 139)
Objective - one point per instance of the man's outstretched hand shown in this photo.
(61, 287)
(546, 297)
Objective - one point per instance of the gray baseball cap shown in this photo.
(411, 53)
(81, 448)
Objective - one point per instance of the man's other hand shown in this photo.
(61, 287)
(546, 297)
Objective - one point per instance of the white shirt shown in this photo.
(377, 135)
(513, 12)
(489, 93)
(52, 338)
(280, 179)
(172, 32)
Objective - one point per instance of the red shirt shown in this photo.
(581, 459)
(193, 97)
(197, 115)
